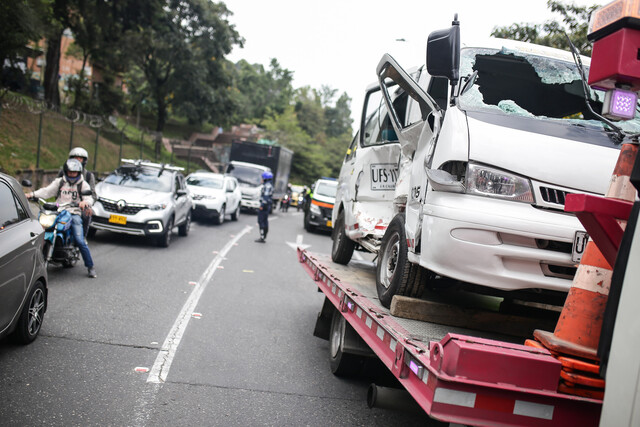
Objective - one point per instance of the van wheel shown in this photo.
(395, 275)
(342, 247)
(183, 230)
(341, 363)
(32, 315)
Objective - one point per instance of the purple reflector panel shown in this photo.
(350, 305)
(414, 367)
(623, 104)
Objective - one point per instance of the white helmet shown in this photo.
(79, 152)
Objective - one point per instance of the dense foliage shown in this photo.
(168, 58)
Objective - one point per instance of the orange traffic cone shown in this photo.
(578, 329)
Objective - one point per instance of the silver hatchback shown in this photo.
(144, 199)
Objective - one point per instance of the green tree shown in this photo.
(260, 92)
(574, 22)
(20, 23)
(181, 54)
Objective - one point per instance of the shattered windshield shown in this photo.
(516, 83)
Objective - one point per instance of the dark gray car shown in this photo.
(23, 273)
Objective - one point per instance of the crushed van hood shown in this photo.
(543, 156)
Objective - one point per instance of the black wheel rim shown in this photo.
(36, 311)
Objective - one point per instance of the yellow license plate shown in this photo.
(118, 219)
(329, 224)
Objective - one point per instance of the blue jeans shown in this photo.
(78, 236)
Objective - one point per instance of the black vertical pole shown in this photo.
(120, 153)
(189, 160)
(95, 156)
(71, 136)
(39, 140)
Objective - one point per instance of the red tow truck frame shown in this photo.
(460, 378)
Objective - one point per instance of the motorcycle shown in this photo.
(284, 203)
(59, 245)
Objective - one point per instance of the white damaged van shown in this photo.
(492, 137)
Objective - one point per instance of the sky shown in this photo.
(338, 43)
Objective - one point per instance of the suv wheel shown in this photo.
(165, 240)
(236, 213)
(183, 230)
(342, 247)
(220, 218)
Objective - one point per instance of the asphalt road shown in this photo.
(234, 317)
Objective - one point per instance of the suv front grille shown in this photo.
(111, 206)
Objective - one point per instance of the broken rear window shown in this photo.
(515, 83)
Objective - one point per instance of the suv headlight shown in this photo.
(158, 207)
(491, 182)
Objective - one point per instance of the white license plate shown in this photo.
(579, 245)
(384, 176)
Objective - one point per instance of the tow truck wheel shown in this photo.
(395, 275)
(342, 247)
(341, 363)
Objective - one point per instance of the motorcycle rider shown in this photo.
(82, 156)
(66, 189)
(286, 200)
(265, 205)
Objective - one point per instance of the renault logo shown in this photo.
(121, 204)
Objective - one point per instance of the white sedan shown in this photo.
(214, 195)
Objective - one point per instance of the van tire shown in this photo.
(342, 247)
(395, 275)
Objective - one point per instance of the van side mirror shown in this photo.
(443, 52)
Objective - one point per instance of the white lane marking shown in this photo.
(298, 243)
(161, 367)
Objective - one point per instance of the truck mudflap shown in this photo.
(458, 378)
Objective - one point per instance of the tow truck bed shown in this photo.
(453, 377)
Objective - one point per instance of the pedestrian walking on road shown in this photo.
(265, 205)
